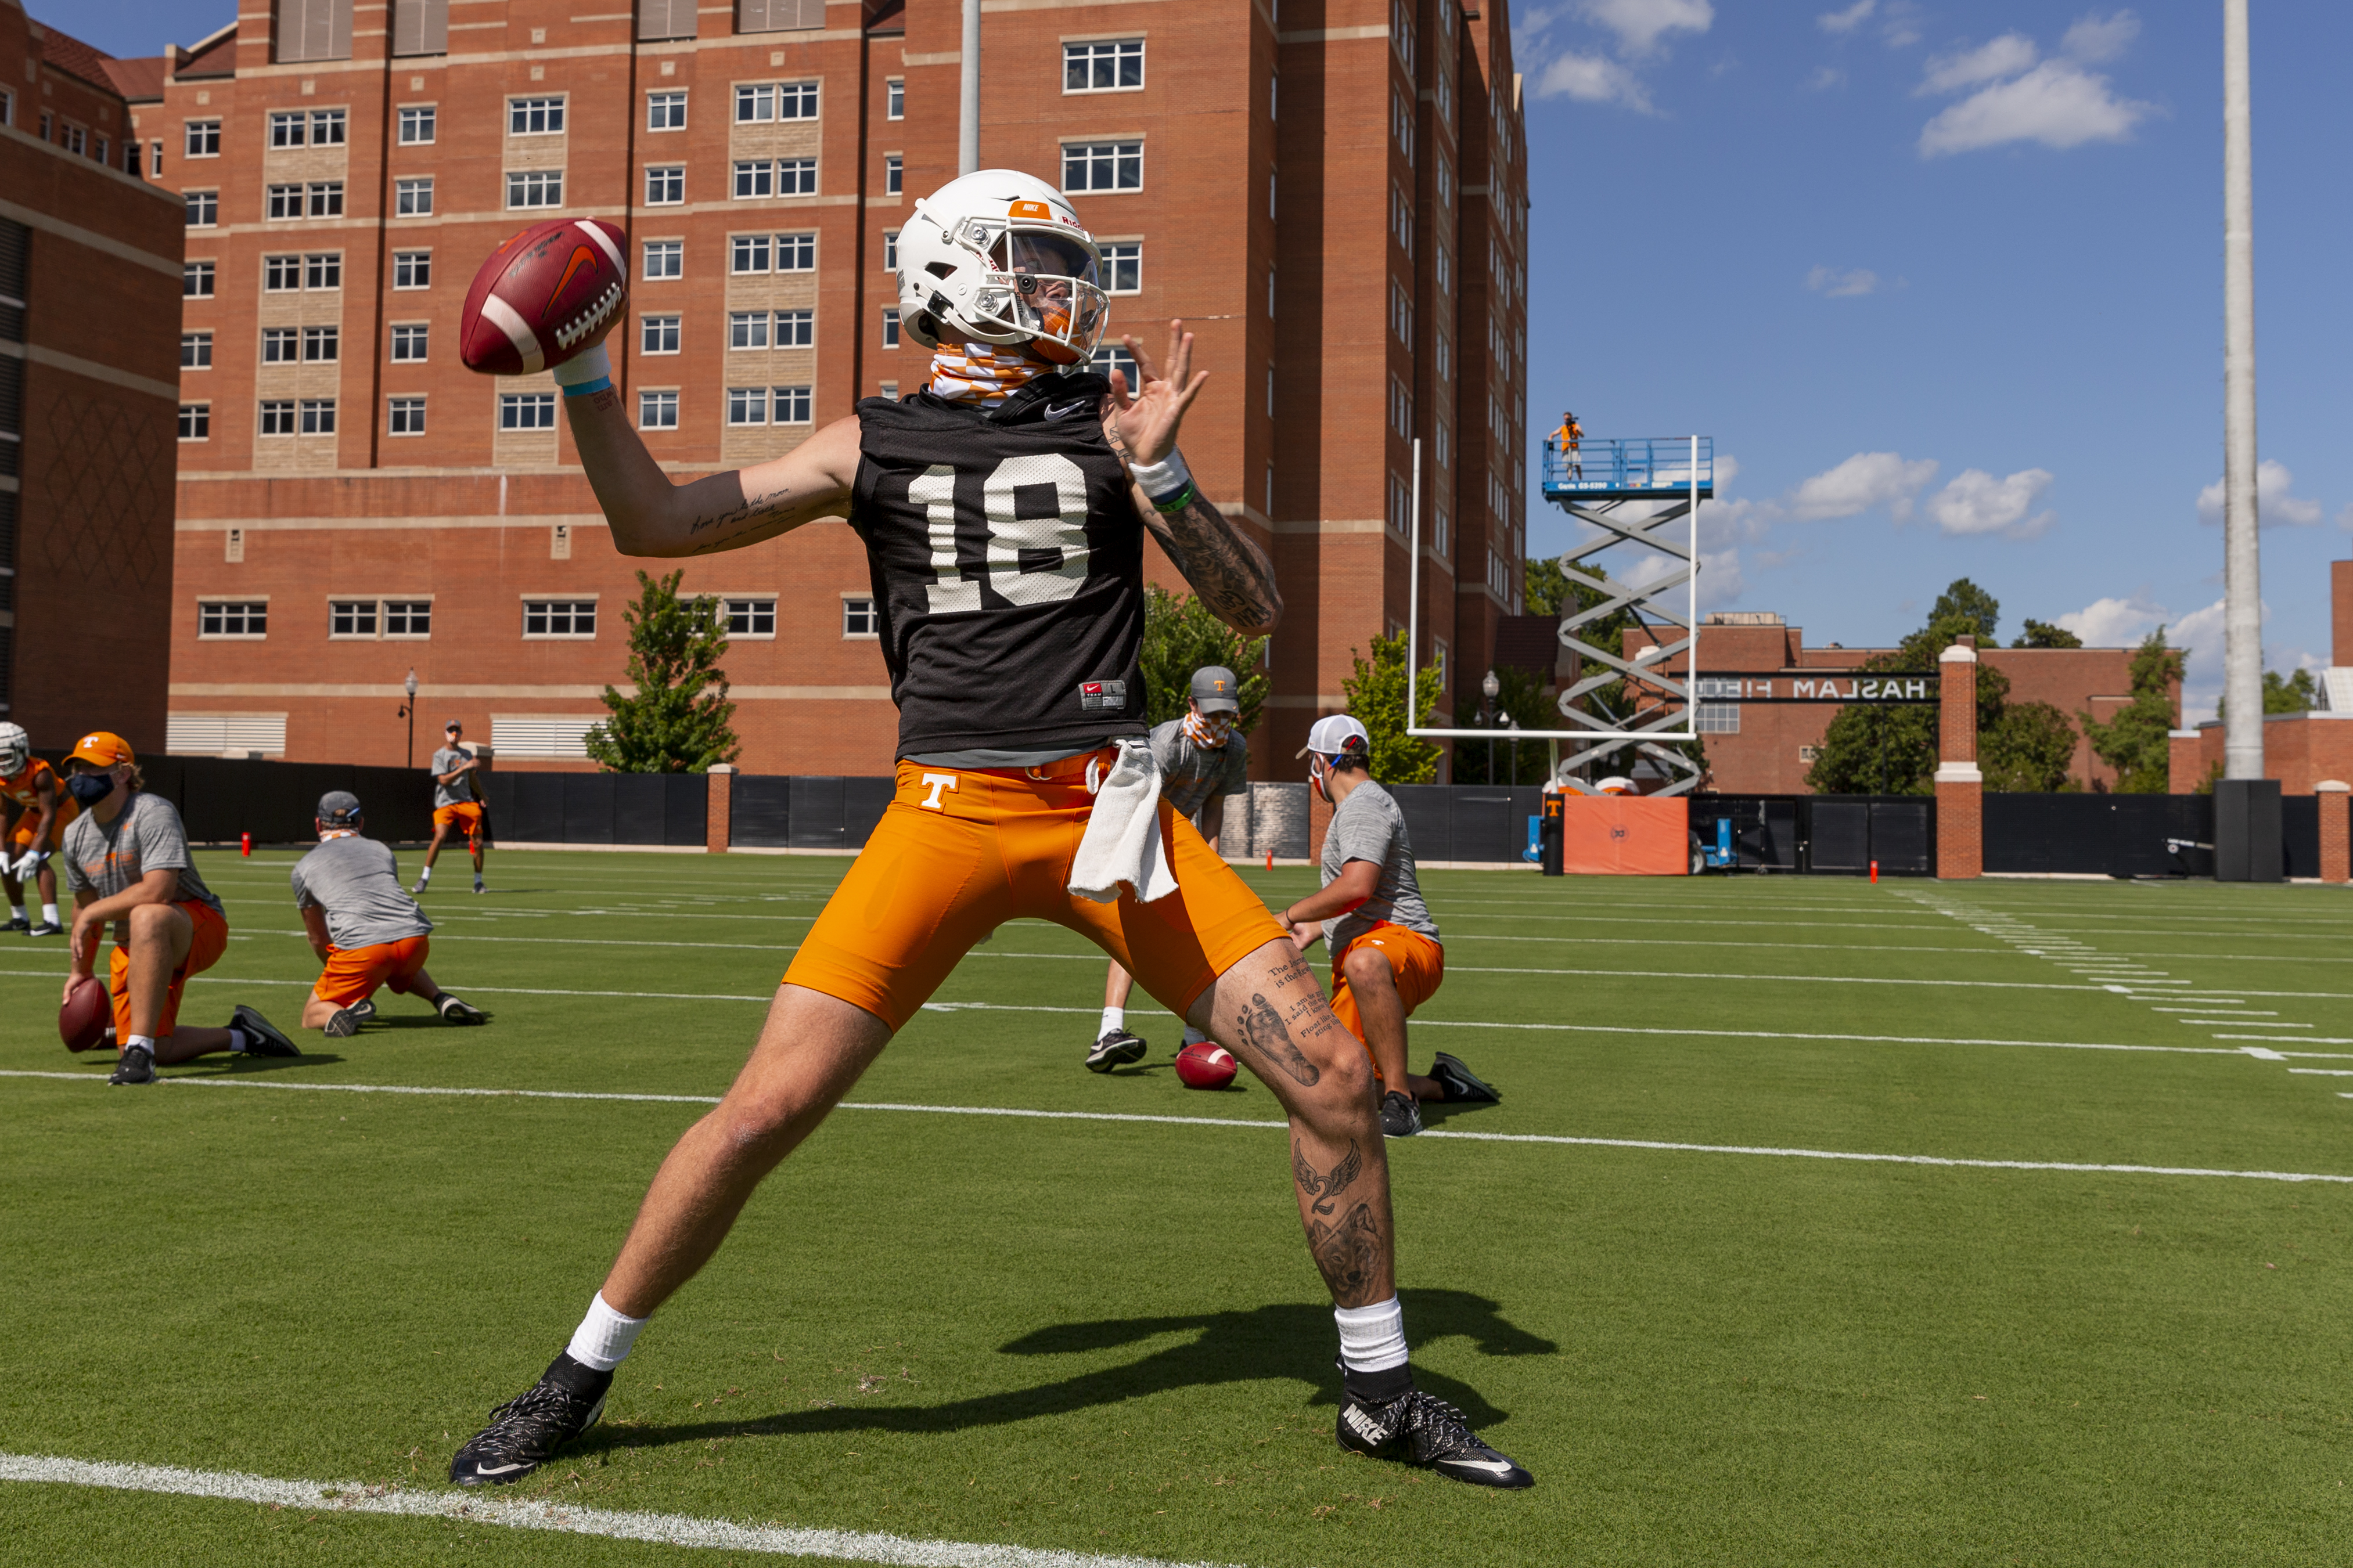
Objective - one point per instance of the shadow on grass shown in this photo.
(1290, 1341)
(245, 1065)
(1436, 1113)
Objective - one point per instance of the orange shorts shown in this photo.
(28, 822)
(961, 851)
(205, 950)
(469, 813)
(1418, 964)
(352, 973)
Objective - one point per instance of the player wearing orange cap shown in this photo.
(29, 793)
(127, 861)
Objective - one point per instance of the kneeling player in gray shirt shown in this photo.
(363, 927)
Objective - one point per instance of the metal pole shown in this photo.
(968, 109)
(1413, 598)
(2242, 612)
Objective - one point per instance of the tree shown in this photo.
(1376, 695)
(2042, 634)
(2299, 693)
(2137, 741)
(1179, 637)
(2029, 750)
(677, 721)
(1521, 696)
(1966, 601)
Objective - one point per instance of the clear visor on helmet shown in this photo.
(1047, 285)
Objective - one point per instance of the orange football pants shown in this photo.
(352, 973)
(204, 949)
(961, 851)
(466, 812)
(1416, 963)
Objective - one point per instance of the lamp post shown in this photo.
(408, 712)
(1489, 688)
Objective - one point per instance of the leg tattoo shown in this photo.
(1326, 1189)
(1262, 1029)
(1348, 1254)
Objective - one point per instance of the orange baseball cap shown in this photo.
(102, 749)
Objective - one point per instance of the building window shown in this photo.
(658, 334)
(526, 411)
(318, 415)
(203, 208)
(315, 128)
(326, 199)
(755, 179)
(407, 416)
(195, 279)
(858, 618)
(747, 329)
(1114, 65)
(657, 410)
(327, 127)
(888, 391)
(792, 404)
(1400, 312)
(748, 406)
(282, 202)
(279, 345)
(891, 328)
(1400, 408)
(665, 258)
(412, 198)
(797, 253)
(559, 618)
(287, 130)
(759, 102)
(232, 617)
(796, 176)
(203, 140)
(408, 617)
(894, 101)
(195, 421)
(797, 101)
(322, 345)
(890, 250)
(323, 269)
(748, 253)
(749, 617)
(195, 351)
(536, 116)
(796, 328)
(534, 188)
(1716, 719)
(408, 342)
(412, 269)
(1103, 166)
(1116, 357)
(278, 416)
(279, 274)
(416, 125)
(1123, 266)
(894, 173)
(351, 617)
(666, 111)
(666, 187)
(1442, 534)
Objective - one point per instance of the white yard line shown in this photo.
(664, 1529)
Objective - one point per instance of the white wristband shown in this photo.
(1164, 477)
(586, 365)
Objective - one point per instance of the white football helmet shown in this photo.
(16, 750)
(998, 257)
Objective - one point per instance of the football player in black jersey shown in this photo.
(1003, 509)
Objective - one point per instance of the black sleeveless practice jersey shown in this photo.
(1007, 563)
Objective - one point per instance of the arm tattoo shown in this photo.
(1233, 576)
(1326, 1188)
(1347, 1254)
(1260, 1029)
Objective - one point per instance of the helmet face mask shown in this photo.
(16, 750)
(999, 258)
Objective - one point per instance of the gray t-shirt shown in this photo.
(1368, 825)
(108, 857)
(461, 791)
(1192, 776)
(357, 882)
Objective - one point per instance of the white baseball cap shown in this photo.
(1333, 735)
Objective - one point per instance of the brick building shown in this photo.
(90, 256)
(2300, 750)
(1334, 202)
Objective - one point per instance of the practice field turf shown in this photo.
(1822, 1222)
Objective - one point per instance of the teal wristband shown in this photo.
(1177, 501)
(602, 383)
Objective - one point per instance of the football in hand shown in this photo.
(543, 296)
(1205, 1064)
(82, 1021)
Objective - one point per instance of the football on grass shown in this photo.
(541, 296)
(82, 1021)
(1205, 1064)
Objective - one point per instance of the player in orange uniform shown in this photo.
(39, 809)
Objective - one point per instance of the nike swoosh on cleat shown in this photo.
(1496, 1467)
(498, 1469)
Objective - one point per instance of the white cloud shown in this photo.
(1899, 24)
(2274, 503)
(1839, 285)
(2004, 56)
(1865, 481)
(2056, 104)
(1640, 24)
(1975, 502)
(1848, 20)
(1824, 79)
(2114, 623)
(1592, 75)
(2097, 38)
(1592, 78)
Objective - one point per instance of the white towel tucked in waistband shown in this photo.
(1122, 839)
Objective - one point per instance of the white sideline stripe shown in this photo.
(2261, 1055)
(2323, 1072)
(667, 1529)
(2295, 1039)
(2249, 1023)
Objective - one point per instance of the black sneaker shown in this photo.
(1462, 1085)
(363, 1010)
(137, 1066)
(1400, 1117)
(262, 1039)
(1417, 1428)
(525, 1432)
(46, 927)
(1117, 1048)
(19, 923)
(343, 1025)
(456, 1012)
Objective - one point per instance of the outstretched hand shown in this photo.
(1148, 417)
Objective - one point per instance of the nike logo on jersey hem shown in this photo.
(1067, 409)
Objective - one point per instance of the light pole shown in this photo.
(408, 712)
(1515, 723)
(1489, 688)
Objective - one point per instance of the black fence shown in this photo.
(2133, 835)
(1832, 835)
(669, 809)
(805, 811)
(221, 799)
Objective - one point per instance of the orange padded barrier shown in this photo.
(1625, 835)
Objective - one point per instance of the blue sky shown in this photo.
(1944, 283)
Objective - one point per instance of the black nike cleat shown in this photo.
(343, 1025)
(1400, 1117)
(453, 1011)
(19, 924)
(262, 1035)
(137, 1066)
(1417, 1428)
(46, 927)
(1117, 1048)
(1461, 1084)
(362, 1010)
(525, 1432)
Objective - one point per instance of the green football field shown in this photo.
(1820, 1223)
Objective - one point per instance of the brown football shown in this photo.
(543, 295)
(82, 1021)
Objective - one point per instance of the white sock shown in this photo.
(140, 1043)
(49, 914)
(603, 1336)
(1372, 1339)
(240, 1039)
(425, 876)
(1112, 1018)
(16, 911)
(1194, 1037)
